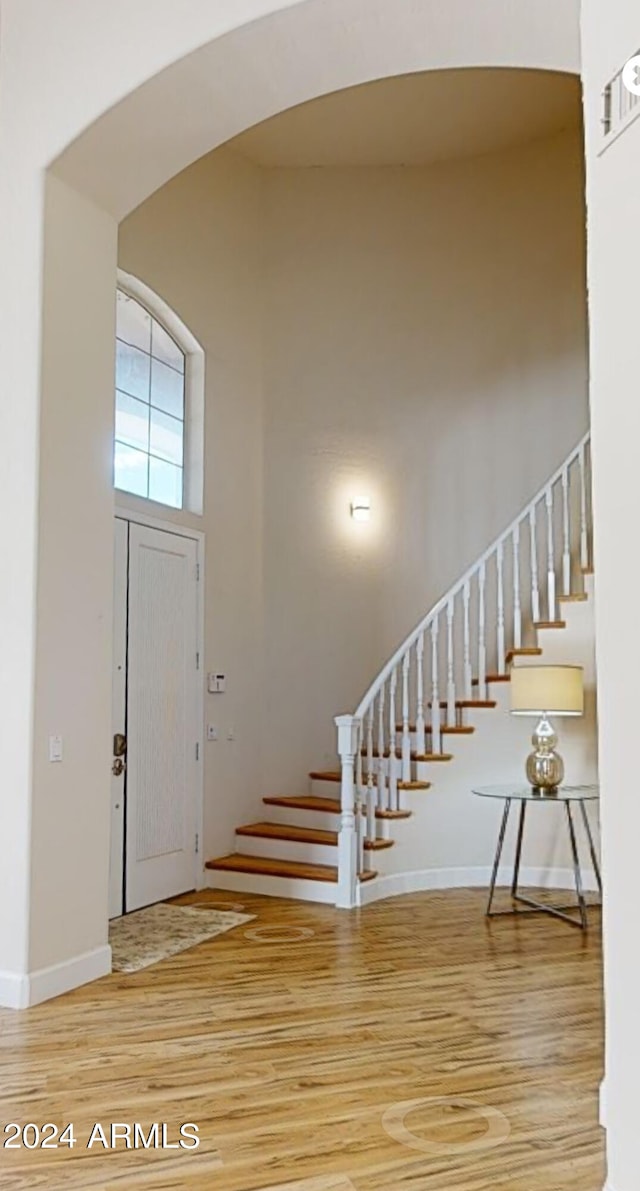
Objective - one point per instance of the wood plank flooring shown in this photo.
(288, 1054)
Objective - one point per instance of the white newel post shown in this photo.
(347, 726)
(371, 790)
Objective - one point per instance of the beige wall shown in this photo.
(423, 369)
(425, 342)
(72, 676)
(197, 244)
(613, 176)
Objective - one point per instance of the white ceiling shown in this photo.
(417, 119)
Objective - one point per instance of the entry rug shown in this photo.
(147, 936)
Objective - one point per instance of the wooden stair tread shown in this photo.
(587, 570)
(579, 597)
(393, 814)
(327, 806)
(334, 775)
(432, 756)
(260, 865)
(461, 704)
(290, 832)
(304, 835)
(549, 624)
(494, 677)
(306, 802)
(457, 729)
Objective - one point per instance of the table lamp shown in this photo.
(543, 691)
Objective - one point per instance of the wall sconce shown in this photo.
(361, 508)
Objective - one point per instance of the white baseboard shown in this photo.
(13, 990)
(396, 884)
(20, 991)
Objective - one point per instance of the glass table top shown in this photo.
(528, 793)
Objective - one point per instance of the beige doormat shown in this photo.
(147, 936)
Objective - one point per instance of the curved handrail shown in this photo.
(409, 641)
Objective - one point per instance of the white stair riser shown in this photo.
(304, 891)
(279, 849)
(301, 818)
(291, 816)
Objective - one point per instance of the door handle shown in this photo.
(119, 745)
(118, 766)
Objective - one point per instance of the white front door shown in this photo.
(162, 728)
(119, 716)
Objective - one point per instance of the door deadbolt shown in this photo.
(118, 767)
(119, 745)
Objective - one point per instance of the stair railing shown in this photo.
(477, 625)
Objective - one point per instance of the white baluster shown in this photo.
(435, 693)
(382, 765)
(371, 790)
(482, 643)
(551, 565)
(535, 593)
(566, 534)
(584, 531)
(468, 682)
(360, 800)
(393, 748)
(406, 728)
(517, 609)
(502, 661)
(420, 723)
(347, 727)
(451, 681)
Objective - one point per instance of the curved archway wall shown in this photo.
(183, 78)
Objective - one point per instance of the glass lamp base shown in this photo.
(545, 767)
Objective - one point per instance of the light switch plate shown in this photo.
(216, 684)
(55, 748)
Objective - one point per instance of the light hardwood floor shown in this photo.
(288, 1054)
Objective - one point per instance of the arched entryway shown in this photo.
(160, 95)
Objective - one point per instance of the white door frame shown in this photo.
(182, 531)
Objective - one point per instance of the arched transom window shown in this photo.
(149, 454)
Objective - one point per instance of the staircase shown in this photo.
(444, 684)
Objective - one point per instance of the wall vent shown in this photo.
(620, 107)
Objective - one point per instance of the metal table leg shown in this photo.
(516, 866)
(576, 868)
(592, 849)
(496, 863)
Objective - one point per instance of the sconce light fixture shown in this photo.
(361, 508)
